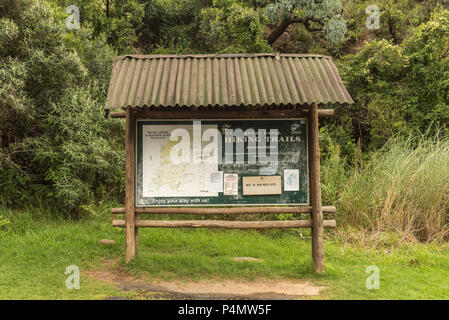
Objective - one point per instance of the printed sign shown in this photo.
(261, 185)
(221, 162)
(291, 180)
(231, 184)
(216, 181)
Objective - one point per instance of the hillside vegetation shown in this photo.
(385, 159)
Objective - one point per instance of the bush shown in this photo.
(399, 88)
(56, 148)
(229, 27)
(403, 188)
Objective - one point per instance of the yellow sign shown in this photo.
(262, 185)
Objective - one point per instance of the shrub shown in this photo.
(403, 188)
(399, 87)
(56, 148)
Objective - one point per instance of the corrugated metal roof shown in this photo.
(224, 80)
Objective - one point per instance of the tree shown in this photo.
(171, 26)
(230, 27)
(316, 15)
(56, 147)
(119, 20)
(399, 88)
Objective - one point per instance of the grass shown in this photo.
(403, 188)
(36, 248)
(386, 205)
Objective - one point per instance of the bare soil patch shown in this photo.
(205, 289)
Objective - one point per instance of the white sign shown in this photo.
(164, 171)
(216, 181)
(291, 180)
(231, 184)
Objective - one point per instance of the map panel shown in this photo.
(182, 164)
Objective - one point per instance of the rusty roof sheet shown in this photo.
(224, 80)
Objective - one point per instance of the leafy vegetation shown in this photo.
(323, 16)
(57, 150)
(56, 146)
(402, 188)
(400, 88)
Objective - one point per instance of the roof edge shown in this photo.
(259, 107)
(228, 55)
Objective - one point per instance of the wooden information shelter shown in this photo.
(216, 89)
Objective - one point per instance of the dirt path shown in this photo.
(206, 289)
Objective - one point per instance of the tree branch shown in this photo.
(278, 31)
(283, 25)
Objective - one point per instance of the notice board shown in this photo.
(221, 162)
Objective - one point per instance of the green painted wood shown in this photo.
(292, 147)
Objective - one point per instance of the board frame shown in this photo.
(315, 209)
(138, 155)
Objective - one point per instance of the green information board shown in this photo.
(208, 162)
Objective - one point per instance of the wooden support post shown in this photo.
(131, 217)
(315, 191)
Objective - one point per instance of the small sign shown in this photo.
(291, 180)
(216, 181)
(264, 185)
(231, 184)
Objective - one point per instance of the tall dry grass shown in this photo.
(403, 188)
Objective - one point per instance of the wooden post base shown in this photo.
(315, 191)
(130, 225)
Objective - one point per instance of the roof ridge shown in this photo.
(233, 55)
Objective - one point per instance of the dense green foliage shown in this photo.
(400, 88)
(324, 16)
(57, 149)
(119, 21)
(56, 146)
(230, 27)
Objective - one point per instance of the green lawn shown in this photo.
(36, 248)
